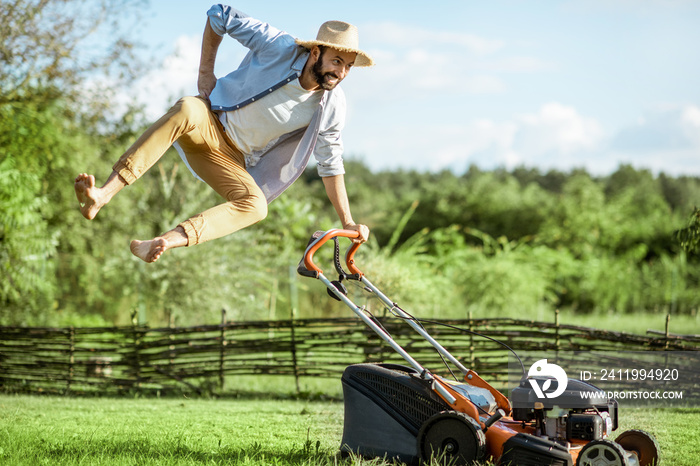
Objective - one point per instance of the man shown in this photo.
(248, 135)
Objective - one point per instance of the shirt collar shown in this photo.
(299, 63)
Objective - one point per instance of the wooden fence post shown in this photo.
(71, 357)
(471, 341)
(294, 301)
(222, 351)
(136, 362)
(557, 343)
(171, 337)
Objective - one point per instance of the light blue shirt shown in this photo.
(274, 60)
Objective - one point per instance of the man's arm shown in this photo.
(210, 46)
(250, 32)
(335, 189)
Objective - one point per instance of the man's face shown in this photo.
(332, 66)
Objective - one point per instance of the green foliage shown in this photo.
(26, 243)
(689, 237)
(31, 149)
(48, 47)
(505, 275)
(408, 275)
(592, 245)
(577, 220)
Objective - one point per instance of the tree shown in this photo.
(47, 53)
(689, 237)
(46, 46)
(26, 244)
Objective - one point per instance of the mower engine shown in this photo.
(582, 412)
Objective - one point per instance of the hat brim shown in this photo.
(362, 59)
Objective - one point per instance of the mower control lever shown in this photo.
(307, 267)
(492, 420)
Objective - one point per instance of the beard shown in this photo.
(322, 77)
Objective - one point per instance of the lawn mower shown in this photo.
(410, 414)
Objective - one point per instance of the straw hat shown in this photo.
(340, 36)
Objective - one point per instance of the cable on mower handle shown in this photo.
(308, 268)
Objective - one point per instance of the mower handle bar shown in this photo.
(307, 267)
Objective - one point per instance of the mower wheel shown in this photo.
(642, 444)
(602, 453)
(452, 436)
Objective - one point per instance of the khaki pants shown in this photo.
(212, 155)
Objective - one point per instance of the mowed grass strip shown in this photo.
(150, 431)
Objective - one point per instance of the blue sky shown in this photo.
(546, 84)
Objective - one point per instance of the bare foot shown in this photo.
(88, 195)
(149, 251)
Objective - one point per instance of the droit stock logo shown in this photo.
(542, 369)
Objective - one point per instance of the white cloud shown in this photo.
(177, 76)
(666, 138)
(555, 136)
(404, 36)
(419, 63)
(159, 88)
(558, 136)
(665, 128)
(557, 129)
(690, 125)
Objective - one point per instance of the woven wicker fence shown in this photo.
(196, 359)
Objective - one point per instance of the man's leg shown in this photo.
(182, 118)
(150, 251)
(92, 198)
(212, 156)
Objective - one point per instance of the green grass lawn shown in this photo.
(149, 431)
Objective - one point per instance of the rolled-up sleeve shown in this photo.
(250, 32)
(329, 145)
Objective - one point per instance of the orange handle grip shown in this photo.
(350, 259)
(330, 234)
